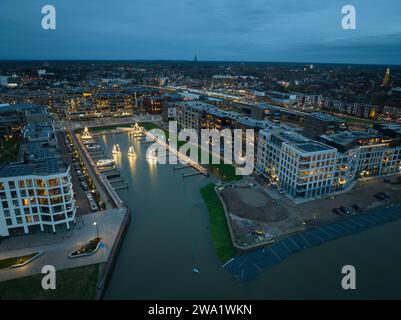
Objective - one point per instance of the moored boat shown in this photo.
(105, 163)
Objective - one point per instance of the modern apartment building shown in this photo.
(36, 192)
(317, 124)
(14, 116)
(307, 168)
(302, 167)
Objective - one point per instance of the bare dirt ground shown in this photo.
(259, 214)
(252, 203)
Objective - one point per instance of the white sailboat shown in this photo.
(116, 149)
(136, 130)
(151, 156)
(131, 152)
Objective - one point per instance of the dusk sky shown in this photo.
(235, 30)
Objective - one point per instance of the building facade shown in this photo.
(317, 124)
(301, 167)
(36, 192)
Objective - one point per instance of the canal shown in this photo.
(169, 235)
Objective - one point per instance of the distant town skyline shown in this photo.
(306, 31)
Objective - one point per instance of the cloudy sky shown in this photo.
(236, 30)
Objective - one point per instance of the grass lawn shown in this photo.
(149, 125)
(225, 172)
(111, 127)
(9, 150)
(6, 263)
(218, 224)
(77, 283)
(367, 122)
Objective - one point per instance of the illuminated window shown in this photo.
(53, 182)
(40, 183)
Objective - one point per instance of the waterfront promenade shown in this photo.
(247, 266)
(57, 247)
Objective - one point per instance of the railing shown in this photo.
(187, 159)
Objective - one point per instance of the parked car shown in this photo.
(380, 197)
(338, 211)
(345, 210)
(281, 191)
(357, 207)
(385, 194)
(273, 186)
(89, 196)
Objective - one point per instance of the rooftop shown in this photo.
(347, 137)
(38, 154)
(298, 141)
(5, 107)
(45, 166)
(241, 118)
(324, 117)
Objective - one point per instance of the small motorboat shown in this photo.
(105, 163)
(195, 270)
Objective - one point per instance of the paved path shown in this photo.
(57, 247)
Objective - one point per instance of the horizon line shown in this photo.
(198, 61)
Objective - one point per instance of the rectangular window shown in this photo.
(40, 183)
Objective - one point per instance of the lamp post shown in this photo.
(97, 228)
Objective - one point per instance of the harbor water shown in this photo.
(169, 236)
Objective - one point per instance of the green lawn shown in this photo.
(149, 125)
(225, 172)
(367, 122)
(6, 263)
(218, 224)
(111, 127)
(9, 150)
(77, 283)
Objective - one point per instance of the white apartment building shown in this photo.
(302, 167)
(35, 196)
(362, 154)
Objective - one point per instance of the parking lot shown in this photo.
(259, 213)
(83, 194)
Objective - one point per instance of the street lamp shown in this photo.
(97, 229)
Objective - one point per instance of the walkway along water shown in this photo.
(105, 187)
(249, 265)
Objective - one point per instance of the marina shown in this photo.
(162, 196)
